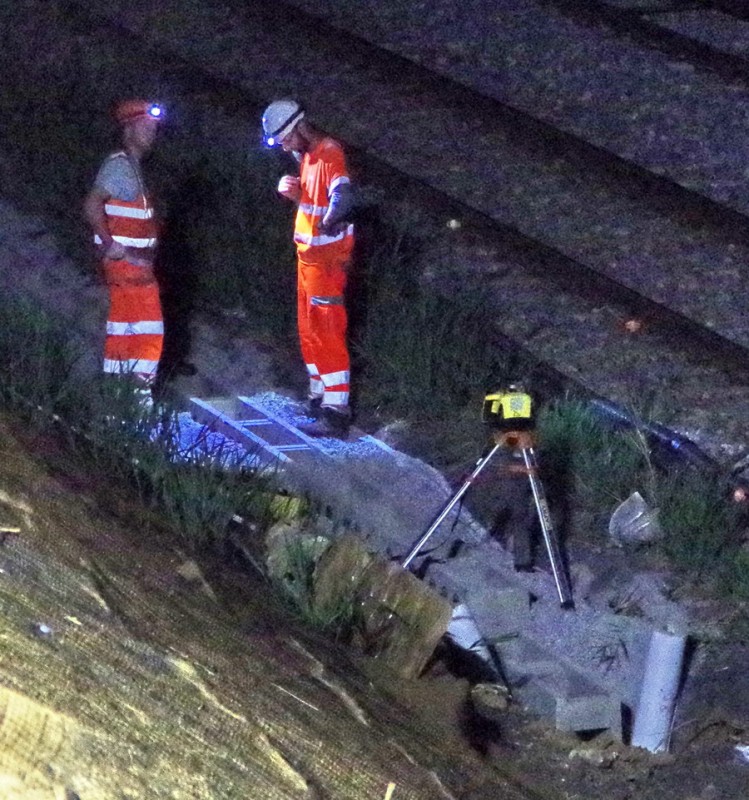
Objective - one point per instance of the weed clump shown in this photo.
(601, 465)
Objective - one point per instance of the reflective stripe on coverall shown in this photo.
(135, 326)
(321, 277)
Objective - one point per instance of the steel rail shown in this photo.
(641, 24)
(658, 191)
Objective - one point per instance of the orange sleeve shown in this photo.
(335, 166)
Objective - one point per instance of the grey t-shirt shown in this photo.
(117, 176)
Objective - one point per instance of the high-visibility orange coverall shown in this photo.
(322, 261)
(135, 326)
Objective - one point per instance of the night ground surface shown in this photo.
(705, 764)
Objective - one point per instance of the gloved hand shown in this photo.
(332, 228)
(290, 187)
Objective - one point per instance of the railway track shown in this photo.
(592, 190)
(681, 29)
(554, 286)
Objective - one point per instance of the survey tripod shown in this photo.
(509, 417)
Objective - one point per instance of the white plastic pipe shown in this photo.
(463, 631)
(655, 709)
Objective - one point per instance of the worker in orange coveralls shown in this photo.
(324, 240)
(121, 214)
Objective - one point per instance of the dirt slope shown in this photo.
(120, 679)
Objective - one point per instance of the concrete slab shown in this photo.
(392, 499)
(499, 604)
(553, 688)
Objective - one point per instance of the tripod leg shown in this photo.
(547, 529)
(482, 462)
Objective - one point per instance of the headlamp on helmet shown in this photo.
(155, 111)
(130, 110)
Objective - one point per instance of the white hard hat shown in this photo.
(280, 118)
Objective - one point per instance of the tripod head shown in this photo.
(508, 410)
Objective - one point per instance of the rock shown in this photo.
(490, 700)
(742, 753)
(592, 755)
(400, 618)
(292, 554)
(191, 572)
(42, 630)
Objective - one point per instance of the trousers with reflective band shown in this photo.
(135, 325)
(322, 321)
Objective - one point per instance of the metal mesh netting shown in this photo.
(119, 680)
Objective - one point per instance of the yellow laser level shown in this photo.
(508, 410)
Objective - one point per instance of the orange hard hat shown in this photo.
(128, 110)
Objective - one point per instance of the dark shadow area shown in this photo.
(479, 731)
(177, 274)
(367, 223)
(514, 521)
(628, 721)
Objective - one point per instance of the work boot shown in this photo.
(332, 422)
(312, 408)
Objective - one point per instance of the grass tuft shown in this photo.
(700, 525)
(426, 351)
(603, 465)
(36, 359)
